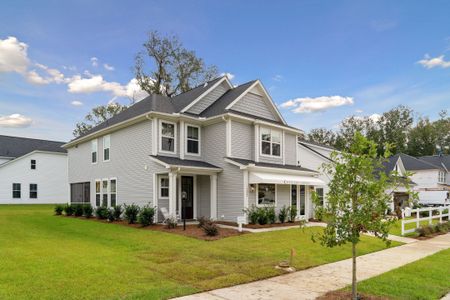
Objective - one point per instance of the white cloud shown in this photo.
(429, 62)
(15, 121)
(76, 103)
(277, 78)
(34, 78)
(229, 75)
(108, 67)
(13, 56)
(308, 105)
(94, 61)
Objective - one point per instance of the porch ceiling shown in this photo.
(266, 177)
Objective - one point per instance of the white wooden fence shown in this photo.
(407, 212)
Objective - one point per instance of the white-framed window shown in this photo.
(98, 194)
(442, 177)
(270, 140)
(33, 191)
(106, 147)
(94, 151)
(105, 192)
(113, 191)
(163, 187)
(16, 191)
(192, 139)
(168, 135)
(33, 164)
(266, 194)
(319, 192)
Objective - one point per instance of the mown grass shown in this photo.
(54, 257)
(428, 278)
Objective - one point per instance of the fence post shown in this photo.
(417, 218)
(440, 214)
(430, 216)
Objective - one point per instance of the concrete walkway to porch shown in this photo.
(314, 282)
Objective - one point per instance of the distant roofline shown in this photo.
(29, 138)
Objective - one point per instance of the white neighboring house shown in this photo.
(32, 171)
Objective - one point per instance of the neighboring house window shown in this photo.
(319, 192)
(164, 187)
(293, 195)
(113, 191)
(106, 147)
(97, 192)
(193, 139)
(94, 148)
(33, 191)
(270, 142)
(167, 140)
(266, 194)
(16, 193)
(33, 164)
(442, 177)
(105, 193)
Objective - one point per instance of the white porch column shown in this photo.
(172, 194)
(182, 139)
(155, 196)
(245, 191)
(213, 188)
(308, 203)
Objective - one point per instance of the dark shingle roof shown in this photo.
(175, 161)
(438, 160)
(303, 141)
(410, 163)
(13, 146)
(269, 165)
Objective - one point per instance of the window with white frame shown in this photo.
(16, 191)
(33, 164)
(106, 147)
(94, 149)
(270, 142)
(164, 187)
(97, 192)
(167, 137)
(192, 139)
(113, 192)
(319, 192)
(266, 194)
(442, 177)
(105, 192)
(33, 191)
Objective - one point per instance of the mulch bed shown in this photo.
(345, 295)
(191, 230)
(429, 236)
(257, 226)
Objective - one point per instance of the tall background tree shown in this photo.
(97, 115)
(165, 67)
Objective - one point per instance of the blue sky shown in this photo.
(332, 59)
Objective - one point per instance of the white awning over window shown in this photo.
(263, 177)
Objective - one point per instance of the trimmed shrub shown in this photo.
(111, 215)
(202, 221)
(210, 229)
(146, 215)
(68, 210)
(101, 212)
(59, 209)
(283, 214)
(88, 210)
(253, 214)
(425, 230)
(118, 210)
(171, 222)
(131, 213)
(271, 214)
(292, 213)
(78, 210)
(319, 213)
(441, 228)
(263, 217)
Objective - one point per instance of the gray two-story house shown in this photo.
(214, 151)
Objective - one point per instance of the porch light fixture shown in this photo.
(252, 188)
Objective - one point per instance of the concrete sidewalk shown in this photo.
(314, 282)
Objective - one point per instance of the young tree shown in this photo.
(98, 115)
(172, 68)
(357, 200)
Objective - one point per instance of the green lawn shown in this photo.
(428, 278)
(51, 257)
(396, 228)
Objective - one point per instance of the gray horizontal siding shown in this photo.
(242, 140)
(255, 105)
(290, 144)
(209, 99)
(203, 196)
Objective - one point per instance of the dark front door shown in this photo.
(187, 197)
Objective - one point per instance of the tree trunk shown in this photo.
(354, 291)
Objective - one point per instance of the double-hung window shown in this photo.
(97, 192)
(319, 192)
(192, 139)
(94, 149)
(33, 191)
(16, 191)
(106, 147)
(33, 164)
(270, 142)
(164, 187)
(105, 192)
(167, 137)
(113, 192)
(442, 176)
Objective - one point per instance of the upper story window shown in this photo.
(270, 142)
(442, 177)
(33, 164)
(16, 191)
(192, 139)
(94, 149)
(106, 147)
(167, 136)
